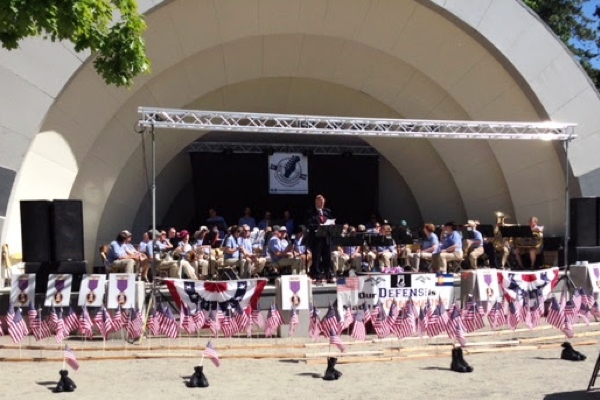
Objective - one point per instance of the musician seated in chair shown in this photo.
(282, 255)
(254, 263)
(232, 257)
(450, 250)
(531, 246)
(474, 246)
(383, 254)
(428, 247)
(301, 251)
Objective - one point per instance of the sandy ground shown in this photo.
(538, 374)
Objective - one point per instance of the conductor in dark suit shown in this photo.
(320, 246)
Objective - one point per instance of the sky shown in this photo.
(589, 9)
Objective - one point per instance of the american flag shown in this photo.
(314, 324)
(570, 312)
(60, 333)
(210, 353)
(514, 317)
(496, 316)
(169, 326)
(527, 317)
(434, 327)
(540, 302)
(577, 300)
(335, 340)
(153, 323)
(242, 320)
(199, 318)
(274, 320)
(32, 315)
(16, 325)
(70, 358)
(159, 315)
(348, 318)
(213, 323)
(134, 325)
(408, 325)
(40, 328)
(468, 317)
(382, 329)
(331, 320)
(186, 320)
(367, 313)
(443, 314)
(85, 324)
(294, 321)
(584, 312)
(456, 328)
(103, 322)
(392, 314)
(71, 321)
(228, 326)
(348, 284)
(555, 315)
(258, 319)
(52, 319)
(117, 320)
(422, 323)
(358, 330)
(375, 312)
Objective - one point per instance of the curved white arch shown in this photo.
(455, 73)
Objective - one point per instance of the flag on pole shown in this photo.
(40, 328)
(117, 320)
(227, 324)
(242, 320)
(367, 313)
(199, 318)
(336, 340)
(331, 320)
(422, 323)
(52, 319)
(152, 323)
(16, 326)
(71, 321)
(514, 317)
(294, 321)
(134, 324)
(348, 318)
(379, 320)
(103, 322)
(257, 318)
(70, 358)
(60, 333)
(187, 322)
(358, 330)
(169, 326)
(274, 320)
(32, 315)
(555, 315)
(211, 353)
(314, 324)
(456, 327)
(213, 323)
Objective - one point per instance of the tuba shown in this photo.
(499, 241)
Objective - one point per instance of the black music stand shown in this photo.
(401, 236)
(486, 230)
(517, 231)
(467, 234)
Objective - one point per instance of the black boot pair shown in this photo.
(331, 373)
(198, 379)
(569, 353)
(458, 362)
(65, 384)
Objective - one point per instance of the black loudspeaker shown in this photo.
(584, 221)
(35, 230)
(66, 230)
(41, 271)
(75, 268)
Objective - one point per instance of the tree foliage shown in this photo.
(580, 32)
(110, 29)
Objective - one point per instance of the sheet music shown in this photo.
(329, 222)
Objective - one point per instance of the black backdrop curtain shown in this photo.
(231, 182)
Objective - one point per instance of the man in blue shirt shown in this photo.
(231, 250)
(450, 250)
(475, 245)
(429, 246)
(383, 254)
(118, 258)
(217, 221)
(282, 255)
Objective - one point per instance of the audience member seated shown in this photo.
(383, 254)
(118, 258)
(254, 264)
(428, 247)
(301, 251)
(450, 250)
(289, 222)
(282, 256)
(216, 221)
(141, 263)
(172, 237)
(231, 251)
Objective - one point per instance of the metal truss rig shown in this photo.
(362, 127)
(259, 148)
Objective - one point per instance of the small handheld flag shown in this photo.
(335, 340)
(211, 353)
(71, 359)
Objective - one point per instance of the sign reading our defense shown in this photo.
(369, 290)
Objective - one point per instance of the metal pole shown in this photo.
(153, 194)
(567, 209)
